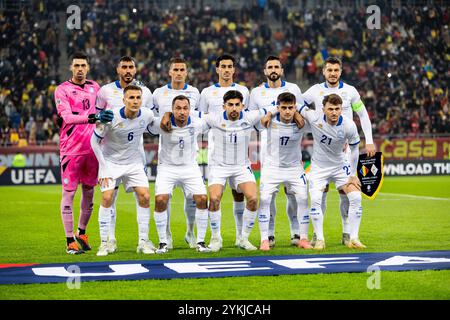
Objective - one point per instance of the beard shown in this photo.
(274, 76)
(126, 77)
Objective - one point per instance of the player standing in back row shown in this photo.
(162, 101)
(110, 96)
(75, 103)
(264, 96)
(211, 101)
(351, 102)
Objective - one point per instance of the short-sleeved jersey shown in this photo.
(180, 146)
(351, 100)
(79, 100)
(111, 96)
(231, 138)
(264, 96)
(163, 96)
(121, 137)
(283, 143)
(211, 98)
(329, 140)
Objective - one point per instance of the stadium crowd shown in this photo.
(401, 70)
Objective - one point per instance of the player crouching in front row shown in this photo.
(331, 131)
(116, 146)
(177, 165)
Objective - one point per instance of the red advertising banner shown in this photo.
(414, 148)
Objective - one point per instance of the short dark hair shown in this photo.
(233, 94)
(225, 56)
(177, 60)
(333, 60)
(80, 55)
(270, 58)
(333, 98)
(127, 59)
(180, 97)
(131, 87)
(286, 97)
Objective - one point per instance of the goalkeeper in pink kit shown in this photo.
(75, 103)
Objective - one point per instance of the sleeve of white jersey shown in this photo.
(155, 102)
(101, 102)
(252, 105)
(246, 95)
(352, 134)
(195, 99)
(203, 104)
(308, 96)
(298, 96)
(154, 127)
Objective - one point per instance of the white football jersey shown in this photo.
(180, 146)
(121, 137)
(110, 96)
(231, 138)
(211, 98)
(283, 143)
(349, 94)
(329, 140)
(163, 96)
(264, 96)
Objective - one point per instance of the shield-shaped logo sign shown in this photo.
(371, 174)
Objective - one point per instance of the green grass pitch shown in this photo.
(409, 214)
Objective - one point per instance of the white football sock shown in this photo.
(214, 221)
(201, 220)
(143, 219)
(161, 225)
(104, 221)
(249, 221)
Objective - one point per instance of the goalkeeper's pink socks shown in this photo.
(86, 206)
(66, 212)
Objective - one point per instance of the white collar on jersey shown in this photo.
(218, 85)
(341, 84)
(283, 83)
(169, 85)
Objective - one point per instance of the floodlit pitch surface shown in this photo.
(409, 214)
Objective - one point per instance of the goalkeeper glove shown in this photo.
(103, 116)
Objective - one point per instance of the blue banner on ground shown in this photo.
(225, 267)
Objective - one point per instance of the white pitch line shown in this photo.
(414, 196)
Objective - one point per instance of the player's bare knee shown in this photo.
(144, 199)
(201, 201)
(107, 199)
(161, 201)
(214, 203)
(252, 203)
(237, 197)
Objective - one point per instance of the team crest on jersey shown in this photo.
(91, 89)
(120, 125)
(320, 125)
(344, 95)
(215, 93)
(274, 126)
(263, 93)
(58, 101)
(340, 134)
(321, 93)
(223, 125)
(191, 131)
(74, 93)
(142, 123)
(166, 93)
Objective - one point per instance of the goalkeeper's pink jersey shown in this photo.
(74, 103)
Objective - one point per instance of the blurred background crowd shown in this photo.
(401, 70)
